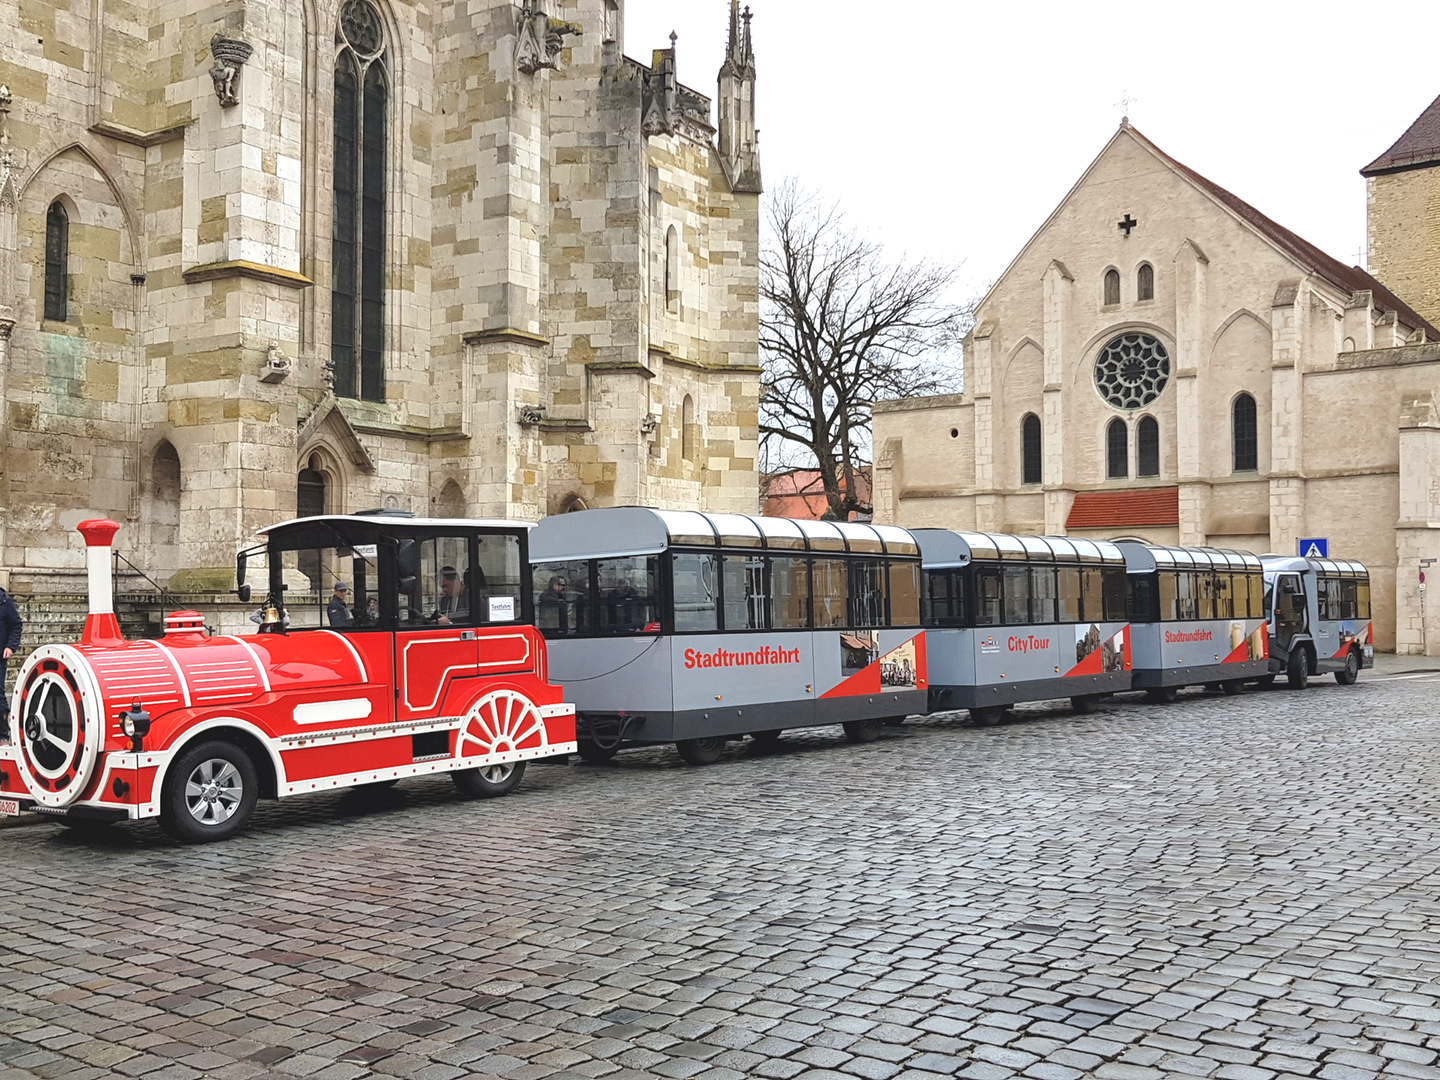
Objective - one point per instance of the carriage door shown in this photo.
(435, 644)
(1290, 613)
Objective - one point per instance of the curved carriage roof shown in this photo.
(945, 548)
(1144, 558)
(616, 532)
(1328, 567)
(398, 521)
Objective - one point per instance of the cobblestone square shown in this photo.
(1230, 887)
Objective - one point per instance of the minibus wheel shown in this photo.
(593, 751)
(987, 715)
(1297, 668)
(861, 731)
(1084, 704)
(210, 793)
(1231, 687)
(1351, 671)
(701, 751)
(1162, 695)
(489, 781)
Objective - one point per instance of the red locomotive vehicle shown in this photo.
(388, 647)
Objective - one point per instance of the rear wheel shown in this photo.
(489, 781)
(1161, 695)
(1232, 687)
(590, 751)
(987, 715)
(1297, 668)
(862, 731)
(705, 751)
(209, 794)
(1350, 672)
(1084, 704)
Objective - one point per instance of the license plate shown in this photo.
(10, 807)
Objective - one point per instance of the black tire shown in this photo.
(701, 751)
(1265, 681)
(1347, 675)
(863, 731)
(210, 793)
(1231, 687)
(489, 782)
(767, 740)
(986, 715)
(1297, 668)
(1085, 704)
(1162, 695)
(594, 752)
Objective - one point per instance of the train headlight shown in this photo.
(135, 723)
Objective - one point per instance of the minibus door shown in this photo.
(1291, 617)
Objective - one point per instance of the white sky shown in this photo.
(952, 129)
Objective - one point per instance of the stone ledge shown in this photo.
(134, 137)
(699, 365)
(505, 334)
(242, 268)
(409, 431)
(934, 401)
(620, 367)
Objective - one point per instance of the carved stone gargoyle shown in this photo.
(540, 39)
(230, 55)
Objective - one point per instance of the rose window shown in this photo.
(360, 23)
(1132, 371)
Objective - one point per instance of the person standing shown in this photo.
(11, 626)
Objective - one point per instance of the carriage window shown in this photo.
(496, 596)
(1257, 596)
(322, 605)
(789, 593)
(1362, 598)
(1240, 595)
(626, 597)
(1069, 594)
(1112, 585)
(1042, 595)
(562, 598)
(1141, 599)
(904, 594)
(694, 586)
(1205, 594)
(441, 593)
(1167, 591)
(1092, 596)
(1323, 598)
(1017, 595)
(832, 592)
(1185, 602)
(944, 597)
(745, 593)
(987, 597)
(867, 593)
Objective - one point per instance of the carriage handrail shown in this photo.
(165, 596)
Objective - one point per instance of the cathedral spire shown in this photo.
(739, 138)
(738, 54)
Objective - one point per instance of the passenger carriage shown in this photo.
(1022, 618)
(1197, 616)
(1318, 612)
(428, 663)
(696, 629)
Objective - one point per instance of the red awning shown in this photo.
(1118, 509)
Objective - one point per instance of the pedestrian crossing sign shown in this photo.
(1315, 548)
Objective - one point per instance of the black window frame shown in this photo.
(1032, 445)
(1147, 447)
(57, 263)
(1117, 450)
(1244, 434)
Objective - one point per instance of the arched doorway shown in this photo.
(451, 502)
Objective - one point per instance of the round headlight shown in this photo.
(127, 725)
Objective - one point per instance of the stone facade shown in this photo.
(1403, 200)
(1340, 372)
(569, 253)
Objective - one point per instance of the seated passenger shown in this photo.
(454, 601)
(554, 607)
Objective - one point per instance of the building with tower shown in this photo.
(281, 255)
(1163, 361)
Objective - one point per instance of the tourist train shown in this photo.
(389, 646)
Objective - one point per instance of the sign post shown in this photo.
(1315, 547)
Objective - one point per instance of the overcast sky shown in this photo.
(952, 129)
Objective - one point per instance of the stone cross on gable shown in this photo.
(1128, 224)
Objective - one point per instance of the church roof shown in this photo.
(1348, 279)
(1419, 146)
(1124, 509)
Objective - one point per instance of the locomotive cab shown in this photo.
(386, 647)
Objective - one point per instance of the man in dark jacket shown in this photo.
(10, 627)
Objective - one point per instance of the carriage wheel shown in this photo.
(986, 715)
(701, 751)
(1084, 704)
(1231, 687)
(863, 731)
(502, 722)
(1163, 695)
(1347, 675)
(489, 781)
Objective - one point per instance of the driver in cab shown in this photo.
(454, 602)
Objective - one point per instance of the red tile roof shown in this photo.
(1419, 146)
(1348, 279)
(1119, 509)
(801, 493)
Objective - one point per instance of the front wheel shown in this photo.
(986, 715)
(1297, 669)
(209, 794)
(1085, 704)
(1351, 671)
(863, 731)
(701, 751)
(489, 781)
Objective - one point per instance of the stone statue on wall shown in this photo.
(540, 39)
(230, 55)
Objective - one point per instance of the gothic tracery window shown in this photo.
(362, 97)
(57, 263)
(1245, 434)
(1132, 370)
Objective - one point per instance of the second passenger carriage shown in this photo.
(669, 626)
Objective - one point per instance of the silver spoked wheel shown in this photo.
(497, 774)
(213, 791)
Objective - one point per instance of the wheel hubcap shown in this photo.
(497, 774)
(213, 792)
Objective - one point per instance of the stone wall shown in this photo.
(1403, 219)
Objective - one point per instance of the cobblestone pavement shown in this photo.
(1237, 888)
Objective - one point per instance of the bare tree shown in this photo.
(842, 326)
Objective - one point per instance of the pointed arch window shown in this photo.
(1112, 287)
(1117, 442)
(1245, 434)
(357, 294)
(1147, 447)
(57, 263)
(1145, 282)
(687, 428)
(672, 269)
(1031, 471)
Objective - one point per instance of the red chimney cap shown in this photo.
(98, 532)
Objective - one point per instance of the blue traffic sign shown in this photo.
(1317, 547)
